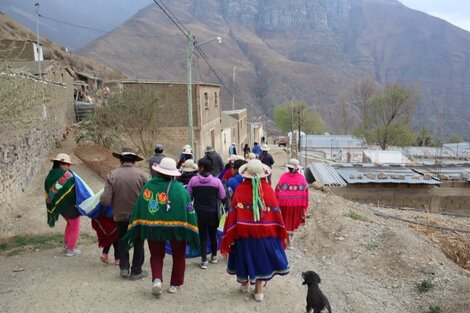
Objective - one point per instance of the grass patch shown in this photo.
(424, 286)
(17, 244)
(434, 309)
(355, 216)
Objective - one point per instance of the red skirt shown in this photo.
(294, 216)
(105, 229)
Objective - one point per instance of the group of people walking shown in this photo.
(180, 204)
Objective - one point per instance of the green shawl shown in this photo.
(60, 193)
(163, 211)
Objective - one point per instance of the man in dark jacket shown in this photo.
(156, 158)
(121, 190)
(216, 161)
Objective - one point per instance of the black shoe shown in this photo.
(142, 274)
(124, 273)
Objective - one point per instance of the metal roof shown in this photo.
(384, 175)
(332, 141)
(386, 157)
(324, 174)
(446, 172)
(425, 152)
(461, 149)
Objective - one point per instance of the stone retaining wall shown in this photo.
(33, 117)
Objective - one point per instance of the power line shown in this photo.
(177, 24)
(74, 25)
(204, 57)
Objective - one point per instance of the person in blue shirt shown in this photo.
(256, 149)
(235, 180)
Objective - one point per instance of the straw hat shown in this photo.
(293, 163)
(128, 153)
(253, 168)
(62, 157)
(167, 167)
(189, 166)
(265, 147)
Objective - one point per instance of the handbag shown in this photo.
(220, 208)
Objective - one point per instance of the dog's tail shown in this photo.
(327, 304)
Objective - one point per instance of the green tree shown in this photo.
(455, 138)
(387, 116)
(424, 138)
(295, 115)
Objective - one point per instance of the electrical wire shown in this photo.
(179, 25)
(74, 25)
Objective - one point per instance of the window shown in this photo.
(215, 97)
(206, 101)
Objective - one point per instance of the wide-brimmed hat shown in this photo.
(254, 168)
(62, 157)
(127, 153)
(187, 151)
(189, 166)
(167, 166)
(252, 156)
(209, 149)
(265, 147)
(187, 147)
(293, 163)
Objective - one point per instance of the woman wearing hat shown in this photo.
(164, 211)
(188, 170)
(254, 233)
(61, 199)
(292, 194)
(187, 154)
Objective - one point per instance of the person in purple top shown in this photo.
(205, 189)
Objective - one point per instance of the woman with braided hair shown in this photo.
(254, 234)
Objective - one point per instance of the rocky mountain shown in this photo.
(61, 17)
(308, 50)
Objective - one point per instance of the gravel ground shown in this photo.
(369, 265)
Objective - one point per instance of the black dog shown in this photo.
(316, 300)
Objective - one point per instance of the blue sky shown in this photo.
(456, 12)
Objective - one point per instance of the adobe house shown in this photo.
(240, 129)
(19, 50)
(173, 118)
(229, 127)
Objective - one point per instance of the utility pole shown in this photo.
(38, 48)
(233, 87)
(298, 141)
(190, 91)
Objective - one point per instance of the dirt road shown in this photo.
(370, 265)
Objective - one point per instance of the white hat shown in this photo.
(189, 166)
(187, 147)
(253, 168)
(293, 163)
(188, 151)
(265, 147)
(252, 156)
(62, 157)
(167, 167)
